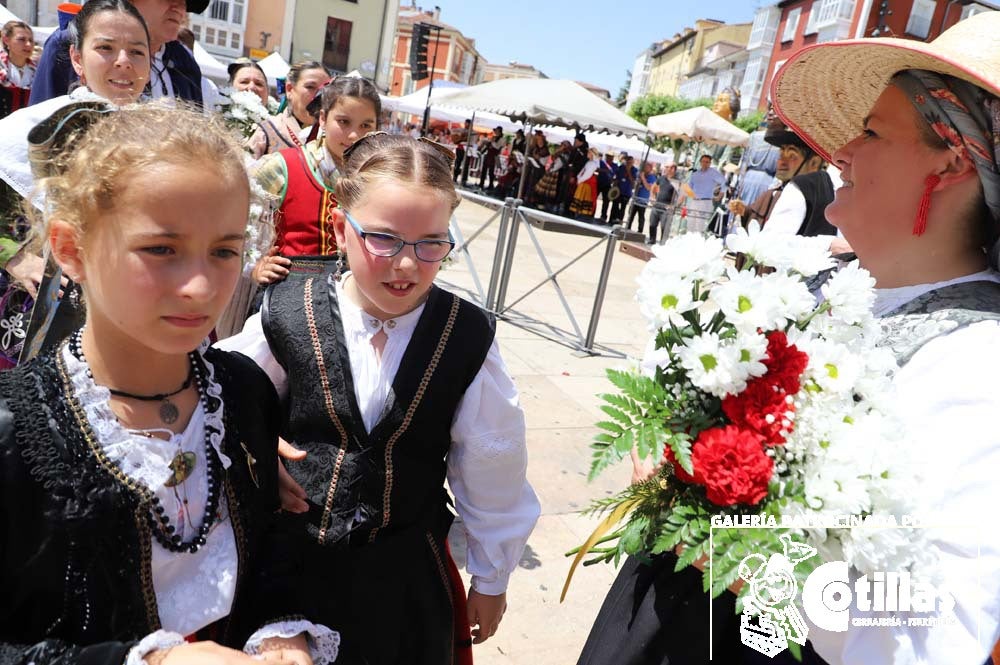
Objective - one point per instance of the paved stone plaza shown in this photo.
(559, 397)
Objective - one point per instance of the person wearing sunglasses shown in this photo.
(392, 386)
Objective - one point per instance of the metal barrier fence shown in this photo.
(483, 297)
(511, 217)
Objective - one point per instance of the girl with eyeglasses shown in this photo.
(392, 386)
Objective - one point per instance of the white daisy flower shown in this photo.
(712, 366)
(744, 301)
(850, 293)
(664, 299)
(690, 255)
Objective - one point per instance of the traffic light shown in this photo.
(418, 51)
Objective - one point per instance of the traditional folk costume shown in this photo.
(757, 168)
(15, 84)
(116, 543)
(944, 336)
(279, 132)
(382, 436)
(302, 181)
(584, 202)
(538, 159)
(488, 170)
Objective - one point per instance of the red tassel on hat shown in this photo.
(920, 225)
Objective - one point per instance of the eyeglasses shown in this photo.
(387, 245)
(445, 152)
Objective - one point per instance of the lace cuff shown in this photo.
(324, 644)
(161, 639)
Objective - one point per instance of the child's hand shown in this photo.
(485, 612)
(293, 497)
(271, 268)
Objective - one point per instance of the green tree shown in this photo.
(749, 123)
(649, 105)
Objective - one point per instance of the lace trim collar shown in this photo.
(887, 300)
(131, 452)
(359, 323)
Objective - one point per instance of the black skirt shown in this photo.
(654, 616)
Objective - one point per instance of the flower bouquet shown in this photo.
(241, 110)
(761, 402)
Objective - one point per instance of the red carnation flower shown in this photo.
(733, 464)
(760, 408)
(784, 362)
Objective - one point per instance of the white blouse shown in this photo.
(948, 397)
(192, 590)
(487, 461)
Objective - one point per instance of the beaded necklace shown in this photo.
(159, 522)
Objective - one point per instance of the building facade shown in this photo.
(721, 67)
(513, 70)
(641, 69)
(603, 93)
(451, 56)
(801, 23)
(37, 12)
(269, 28)
(221, 28)
(346, 35)
(684, 57)
(763, 33)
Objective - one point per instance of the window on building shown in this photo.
(209, 35)
(221, 38)
(230, 11)
(337, 44)
(765, 28)
(811, 23)
(972, 10)
(219, 10)
(234, 41)
(196, 29)
(919, 24)
(791, 25)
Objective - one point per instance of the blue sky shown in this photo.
(587, 40)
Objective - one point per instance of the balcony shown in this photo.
(833, 16)
(765, 28)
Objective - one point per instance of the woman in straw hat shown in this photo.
(915, 129)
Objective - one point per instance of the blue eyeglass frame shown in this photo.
(400, 243)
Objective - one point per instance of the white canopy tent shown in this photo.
(210, 66)
(274, 67)
(40, 33)
(547, 102)
(698, 124)
(415, 102)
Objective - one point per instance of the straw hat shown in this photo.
(824, 92)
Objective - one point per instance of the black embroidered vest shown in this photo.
(364, 485)
(817, 189)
